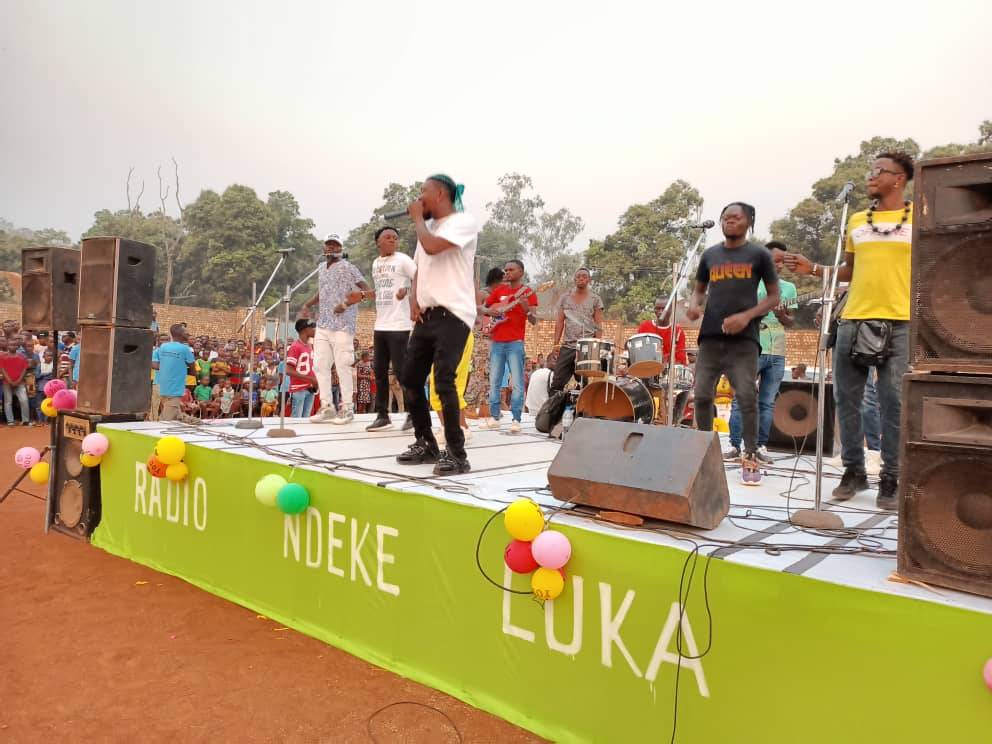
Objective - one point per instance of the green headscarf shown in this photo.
(455, 190)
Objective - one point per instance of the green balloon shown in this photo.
(293, 498)
(267, 489)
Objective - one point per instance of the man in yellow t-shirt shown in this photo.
(877, 265)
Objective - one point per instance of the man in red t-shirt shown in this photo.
(13, 367)
(300, 369)
(512, 305)
(662, 326)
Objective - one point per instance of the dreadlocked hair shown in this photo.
(749, 212)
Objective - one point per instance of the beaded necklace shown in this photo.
(897, 228)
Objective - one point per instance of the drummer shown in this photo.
(580, 315)
(661, 325)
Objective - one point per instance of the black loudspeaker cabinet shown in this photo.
(115, 370)
(945, 484)
(794, 418)
(660, 472)
(115, 282)
(74, 490)
(49, 288)
(951, 296)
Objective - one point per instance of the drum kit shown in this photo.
(640, 396)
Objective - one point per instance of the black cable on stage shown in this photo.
(368, 721)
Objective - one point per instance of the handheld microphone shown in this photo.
(702, 225)
(394, 215)
(845, 192)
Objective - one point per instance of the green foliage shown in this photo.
(360, 243)
(13, 240)
(515, 213)
(633, 266)
(496, 247)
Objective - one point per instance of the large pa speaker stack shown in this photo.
(49, 288)
(115, 316)
(945, 488)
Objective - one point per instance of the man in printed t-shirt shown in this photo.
(727, 284)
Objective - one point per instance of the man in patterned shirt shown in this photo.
(334, 341)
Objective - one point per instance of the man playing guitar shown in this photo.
(507, 333)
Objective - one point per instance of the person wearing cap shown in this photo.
(337, 316)
(300, 369)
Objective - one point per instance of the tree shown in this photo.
(360, 243)
(496, 247)
(516, 211)
(555, 233)
(13, 240)
(633, 265)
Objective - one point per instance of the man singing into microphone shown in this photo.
(443, 308)
(334, 342)
(729, 273)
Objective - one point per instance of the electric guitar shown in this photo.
(519, 297)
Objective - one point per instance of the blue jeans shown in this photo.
(849, 390)
(501, 354)
(771, 370)
(21, 392)
(871, 419)
(302, 403)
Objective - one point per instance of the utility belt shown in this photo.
(872, 344)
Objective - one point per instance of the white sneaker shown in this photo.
(490, 423)
(324, 416)
(873, 462)
(345, 417)
(515, 427)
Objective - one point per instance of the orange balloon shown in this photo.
(156, 467)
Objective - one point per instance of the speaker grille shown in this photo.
(36, 303)
(795, 413)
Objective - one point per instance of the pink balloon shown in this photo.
(27, 457)
(551, 549)
(64, 400)
(519, 558)
(52, 387)
(987, 673)
(95, 444)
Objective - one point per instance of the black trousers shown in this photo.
(439, 340)
(564, 369)
(737, 358)
(388, 346)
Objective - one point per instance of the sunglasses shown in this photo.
(876, 172)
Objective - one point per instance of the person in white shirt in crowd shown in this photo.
(443, 308)
(539, 387)
(334, 341)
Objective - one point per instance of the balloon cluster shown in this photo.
(274, 490)
(167, 460)
(94, 447)
(536, 550)
(57, 398)
(29, 458)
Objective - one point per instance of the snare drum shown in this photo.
(645, 352)
(593, 357)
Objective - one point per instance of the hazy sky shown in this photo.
(602, 104)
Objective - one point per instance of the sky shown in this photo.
(602, 104)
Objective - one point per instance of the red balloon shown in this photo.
(519, 558)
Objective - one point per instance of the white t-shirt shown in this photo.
(537, 389)
(448, 278)
(389, 275)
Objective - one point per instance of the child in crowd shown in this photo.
(270, 396)
(364, 375)
(202, 393)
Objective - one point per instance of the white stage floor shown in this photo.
(507, 466)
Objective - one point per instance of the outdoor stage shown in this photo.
(803, 646)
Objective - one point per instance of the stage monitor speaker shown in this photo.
(794, 418)
(945, 487)
(660, 472)
(115, 283)
(49, 288)
(74, 491)
(115, 370)
(951, 328)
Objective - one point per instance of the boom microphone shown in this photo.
(394, 215)
(702, 225)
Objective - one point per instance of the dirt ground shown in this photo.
(96, 648)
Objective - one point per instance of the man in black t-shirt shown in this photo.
(729, 273)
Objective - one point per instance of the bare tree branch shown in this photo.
(179, 204)
(127, 188)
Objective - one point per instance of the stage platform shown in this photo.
(802, 634)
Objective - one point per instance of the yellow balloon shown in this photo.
(47, 408)
(523, 520)
(170, 450)
(90, 461)
(39, 473)
(547, 583)
(177, 472)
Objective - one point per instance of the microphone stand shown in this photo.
(250, 422)
(295, 287)
(283, 252)
(682, 274)
(816, 518)
(282, 431)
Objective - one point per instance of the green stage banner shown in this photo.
(391, 577)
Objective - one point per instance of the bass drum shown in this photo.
(616, 399)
